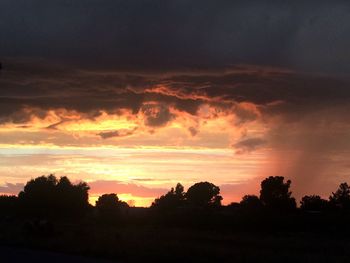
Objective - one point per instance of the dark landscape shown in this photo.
(52, 214)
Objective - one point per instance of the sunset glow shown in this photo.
(174, 135)
(142, 105)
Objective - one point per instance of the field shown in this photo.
(149, 243)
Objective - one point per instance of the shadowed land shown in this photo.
(52, 214)
(13, 254)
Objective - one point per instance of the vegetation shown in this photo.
(275, 194)
(53, 213)
(52, 197)
(175, 198)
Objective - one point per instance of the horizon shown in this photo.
(134, 98)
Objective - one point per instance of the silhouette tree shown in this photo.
(179, 191)
(251, 203)
(341, 198)
(275, 194)
(110, 202)
(107, 202)
(47, 196)
(173, 199)
(204, 194)
(313, 203)
(71, 196)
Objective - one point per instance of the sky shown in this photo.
(135, 96)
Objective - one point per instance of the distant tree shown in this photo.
(173, 199)
(48, 196)
(275, 194)
(251, 203)
(341, 198)
(313, 203)
(204, 194)
(110, 202)
(107, 202)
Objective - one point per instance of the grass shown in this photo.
(173, 244)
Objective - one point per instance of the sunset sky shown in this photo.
(135, 96)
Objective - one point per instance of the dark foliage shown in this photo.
(341, 198)
(47, 212)
(110, 208)
(275, 194)
(203, 194)
(175, 198)
(313, 203)
(49, 196)
(251, 203)
(8, 205)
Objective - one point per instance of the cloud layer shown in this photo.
(158, 34)
(263, 80)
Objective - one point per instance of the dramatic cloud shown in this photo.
(267, 81)
(247, 92)
(156, 115)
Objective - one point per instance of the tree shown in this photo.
(48, 196)
(107, 202)
(110, 202)
(204, 194)
(250, 203)
(275, 194)
(71, 196)
(313, 203)
(173, 199)
(341, 198)
(110, 208)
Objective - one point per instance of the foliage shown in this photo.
(251, 203)
(8, 204)
(204, 194)
(341, 198)
(48, 196)
(173, 199)
(275, 194)
(110, 205)
(313, 203)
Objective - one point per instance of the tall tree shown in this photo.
(275, 193)
(341, 198)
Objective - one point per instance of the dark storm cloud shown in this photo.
(156, 115)
(91, 56)
(248, 145)
(273, 91)
(117, 133)
(158, 34)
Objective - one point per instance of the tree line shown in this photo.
(47, 196)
